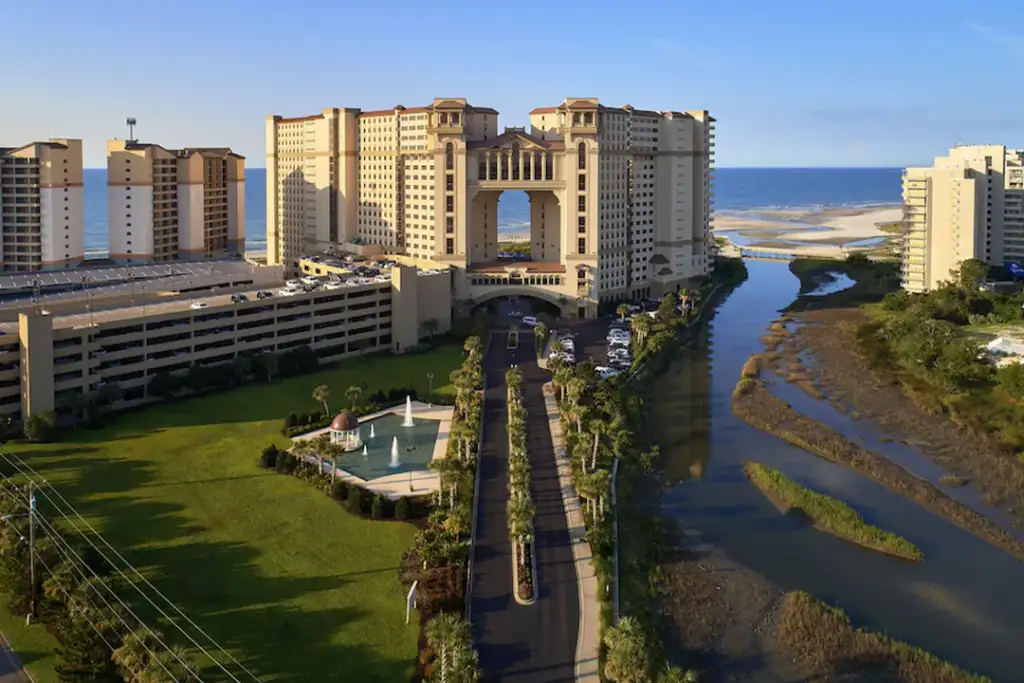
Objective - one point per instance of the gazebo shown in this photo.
(344, 431)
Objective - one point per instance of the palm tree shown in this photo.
(520, 521)
(627, 660)
(352, 394)
(446, 633)
(73, 402)
(457, 521)
(557, 346)
(320, 394)
(673, 674)
(622, 310)
(241, 366)
(641, 326)
(269, 363)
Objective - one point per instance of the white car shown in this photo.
(310, 281)
(618, 341)
(604, 372)
(288, 291)
(530, 320)
(334, 284)
(196, 305)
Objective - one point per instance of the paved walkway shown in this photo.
(588, 642)
(529, 643)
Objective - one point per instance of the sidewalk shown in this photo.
(589, 639)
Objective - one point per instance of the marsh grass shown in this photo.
(823, 638)
(827, 513)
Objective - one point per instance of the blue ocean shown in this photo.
(736, 189)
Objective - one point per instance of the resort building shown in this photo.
(620, 198)
(41, 206)
(72, 343)
(967, 205)
(174, 204)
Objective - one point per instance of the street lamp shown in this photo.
(430, 391)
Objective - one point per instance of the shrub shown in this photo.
(302, 419)
(1011, 377)
(268, 459)
(286, 462)
(377, 507)
(290, 420)
(403, 508)
(355, 500)
(315, 416)
(42, 426)
(339, 490)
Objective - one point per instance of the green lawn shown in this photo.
(276, 572)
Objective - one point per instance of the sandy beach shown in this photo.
(842, 225)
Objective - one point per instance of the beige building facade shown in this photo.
(42, 213)
(967, 205)
(620, 198)
(166, 204)
(45, 357)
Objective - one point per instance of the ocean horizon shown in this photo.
(736, 190)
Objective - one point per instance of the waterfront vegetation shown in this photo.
(761, 409)
(873, 279)
(520, 508)
(603, 423)
(924, 342)
(822, 639)
(173, 487)
(827, 513)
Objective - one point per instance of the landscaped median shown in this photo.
(828, 514)
(520, 506)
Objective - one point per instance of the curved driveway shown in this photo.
(537, 642)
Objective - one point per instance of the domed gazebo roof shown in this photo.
(345, 422)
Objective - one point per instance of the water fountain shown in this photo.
(408, 412)
(395, 462)
(373, 433)
(365, 452)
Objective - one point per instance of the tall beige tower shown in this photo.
(619, 198)
(967, 205)
(165, 204)
(42, 213)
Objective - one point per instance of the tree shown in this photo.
(628, 659)
(242, 366)
(641, 326)
(269, 365)
(163, 385)
(673, 674)
(448, 636)
(84, 656)
(622, 310)
(971, 273)
(352, 394)
(667, 307)
(320, 394)
(41, 427)
(1011, 377)
(73, 402)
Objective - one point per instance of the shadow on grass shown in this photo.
(272, 612)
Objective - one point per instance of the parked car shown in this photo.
(196, 305)
(530, 320)
(239, 298)
(288, 291)
(264, 295)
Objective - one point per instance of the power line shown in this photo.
(58, 538)
(21, 466)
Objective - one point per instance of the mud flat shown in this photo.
(759, 408)
(829, 335)
(826, 646)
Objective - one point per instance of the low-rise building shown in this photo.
(44, 356)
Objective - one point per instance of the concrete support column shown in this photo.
(487, 165)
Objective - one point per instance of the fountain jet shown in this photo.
(408, 412)
(395, 463)
(365, 453)
(373, 433)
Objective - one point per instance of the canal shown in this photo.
(964, 603)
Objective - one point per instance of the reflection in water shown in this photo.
(963, 602)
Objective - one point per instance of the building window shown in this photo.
(582, 245)
(449, 246)
(449, 204)
(449, 156)
(582, 224)
(581, 155)
(582, 184)
(449, 224)
(582, 202)
(449, 183)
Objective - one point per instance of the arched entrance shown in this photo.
(514, 306)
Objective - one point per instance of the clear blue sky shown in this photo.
(791, 82)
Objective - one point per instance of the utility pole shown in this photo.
(32, 546)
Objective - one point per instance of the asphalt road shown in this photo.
(537, 642)
(11, 670)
